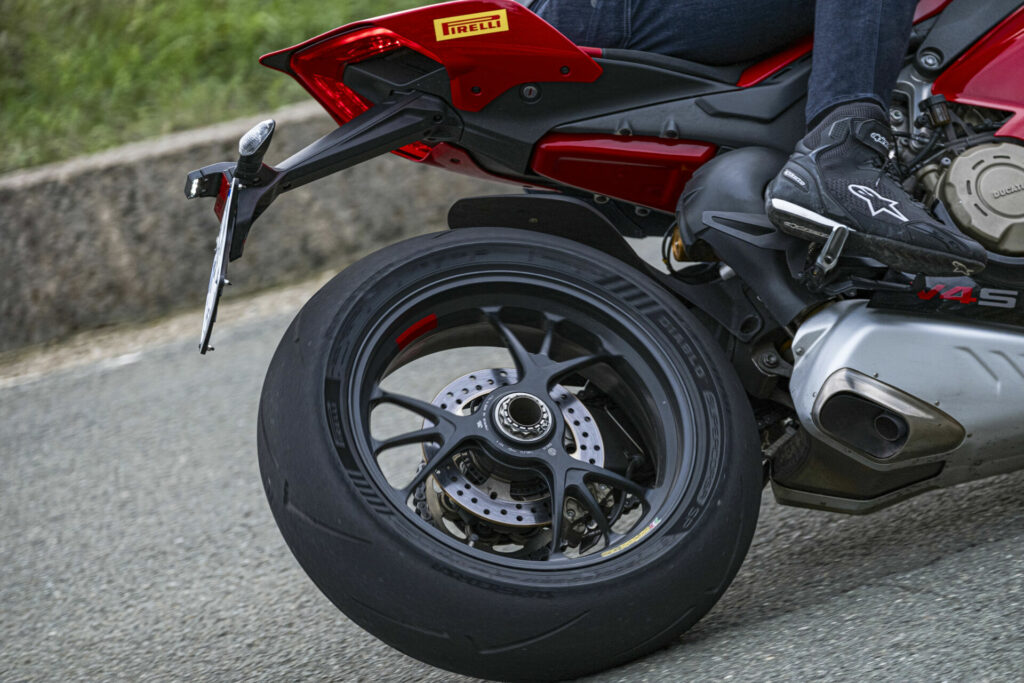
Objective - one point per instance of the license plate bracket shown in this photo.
(219, 269)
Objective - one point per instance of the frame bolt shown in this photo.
(770, 360)
(929, 60)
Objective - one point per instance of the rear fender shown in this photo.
(552, 213)
(723, 300)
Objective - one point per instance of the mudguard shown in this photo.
(552, 213)
(724, 300)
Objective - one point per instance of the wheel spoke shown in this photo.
(583, 494)
(557, 485)
(421, 408)
(523, 358)
(558, 370)
(611, 478)
(419, 436)
(549, 336)
(435, 461)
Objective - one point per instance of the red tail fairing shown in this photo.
(486, 47)
(321, 69)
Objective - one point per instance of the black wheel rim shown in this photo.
(564, 343)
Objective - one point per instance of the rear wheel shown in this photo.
(508, 455)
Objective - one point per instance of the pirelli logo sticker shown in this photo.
(466, 25)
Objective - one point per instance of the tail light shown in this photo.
(321, 69)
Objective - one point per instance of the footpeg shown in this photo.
(833, 249)
(828, 257)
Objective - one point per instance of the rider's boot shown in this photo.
(840, 174)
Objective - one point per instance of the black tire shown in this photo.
(459, 608)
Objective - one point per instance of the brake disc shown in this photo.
(486, 494)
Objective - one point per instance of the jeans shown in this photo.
(859, 44)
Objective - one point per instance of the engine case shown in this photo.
(917, 402)
(984, 192)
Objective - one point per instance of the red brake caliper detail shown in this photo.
(416, 330)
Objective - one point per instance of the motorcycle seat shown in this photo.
(729, 73)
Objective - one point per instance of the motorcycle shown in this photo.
(514, 449)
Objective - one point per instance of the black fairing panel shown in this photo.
(655, 97)
(770, 114)
(961, 24)
(726, 74)
(502, 135)
(402, 69)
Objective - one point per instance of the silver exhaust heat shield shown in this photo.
(895, 404)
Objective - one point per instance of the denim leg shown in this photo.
(859, 44)
(718, 31)
(706, 31)
(858, 51)
(594, 23)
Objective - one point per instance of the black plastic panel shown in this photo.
(770, 114)
(548, 213)
(724, 74)
(982, 298)
(959, 26)
(402, 69)
(503, 134)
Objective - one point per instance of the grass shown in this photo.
(77, 76)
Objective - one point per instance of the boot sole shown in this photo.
(805, 224)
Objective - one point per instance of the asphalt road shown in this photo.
(135, 544)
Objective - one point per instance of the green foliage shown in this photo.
(77, 76)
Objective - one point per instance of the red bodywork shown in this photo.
(756, 73)
(645, 171)
(989, 74)
(926, 9)
(490, 46)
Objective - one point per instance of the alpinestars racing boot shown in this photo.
(838, 176)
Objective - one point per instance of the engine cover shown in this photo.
(984, 192)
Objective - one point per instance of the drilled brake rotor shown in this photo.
(472, 485)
